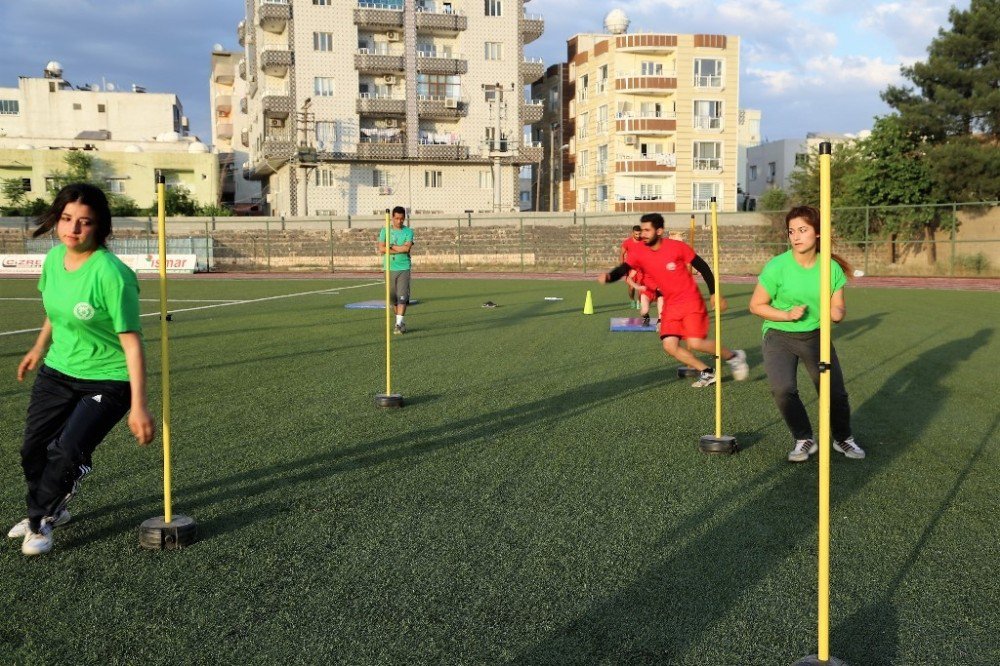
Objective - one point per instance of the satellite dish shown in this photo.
(217, 48)
(110, 87)
(616, 22)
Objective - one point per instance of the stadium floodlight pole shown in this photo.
(168, 531)
(717, 443)
(823, 588)
(388, 399)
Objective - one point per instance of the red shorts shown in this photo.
(686, 323)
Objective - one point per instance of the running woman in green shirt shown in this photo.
(90, 360)
(787, 298)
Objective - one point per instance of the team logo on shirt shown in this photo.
(671, 266)
(83, 311)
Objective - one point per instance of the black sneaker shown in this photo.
(645, 320)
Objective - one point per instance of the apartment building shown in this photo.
(355, 107)
(644, 122)
(227, 101)
(132, 134)
(770, 165)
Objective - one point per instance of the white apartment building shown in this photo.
(770, 165)
(748, 136)
(227, 101)
(355, 107)
(132, 135)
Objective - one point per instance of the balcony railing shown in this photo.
(275, 60)
(532, 27)
(370, 61)
(380, 105)
(273, 15)
(241, 32)
(532, 111)
(655, 124)
(707, 164)
(707, 81)
(646, 83)
(441, 22)
(646, 43)
(708, 122)
(432, 62)
(442, 108)
(380, 16)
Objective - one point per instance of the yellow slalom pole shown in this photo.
(825, 241)
(388, 313)
(692, 230)
(161, 230)
(718, 315)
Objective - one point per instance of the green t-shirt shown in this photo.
(397, 262)
(88, 308)
(789, 284)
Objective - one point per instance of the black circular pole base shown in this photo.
(686, 371)
(388, 400)
(720, 444)
(157, 534)
(814, 660)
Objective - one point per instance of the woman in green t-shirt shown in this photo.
(787, 298)
(94, 369)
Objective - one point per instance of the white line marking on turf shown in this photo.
(226, 304)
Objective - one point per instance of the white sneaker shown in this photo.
(38, 543)
(738, 365)
(706, 378)
(849, 448)
(802, 450)
(19, 530)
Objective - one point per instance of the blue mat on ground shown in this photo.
(372, 305)
(630, 325)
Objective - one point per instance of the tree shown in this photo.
(177, 201)
(956, 102)
(123, 206)
(13, 194)
(804, 180)
(772, 205)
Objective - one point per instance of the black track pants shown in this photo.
(67, 419)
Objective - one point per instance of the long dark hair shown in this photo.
(811, 216)
(82, 193)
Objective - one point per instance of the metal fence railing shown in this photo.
(965, 243)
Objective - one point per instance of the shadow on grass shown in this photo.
(665, 613)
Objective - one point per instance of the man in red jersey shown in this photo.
(635, 240)
(664, 262)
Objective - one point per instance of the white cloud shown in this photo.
(910, 26)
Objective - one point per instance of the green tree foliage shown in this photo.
(954, 104)
(215, 211)
(123, 206)
(13, 195)
(773, 204)
(804, 180)
(177, 202)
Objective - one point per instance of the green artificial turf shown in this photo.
(540, 499)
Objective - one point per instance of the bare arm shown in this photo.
(35, 354)
(140, 421)
(838, 308)
(760, 305)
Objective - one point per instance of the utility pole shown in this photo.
(498, 146)
(305, 155)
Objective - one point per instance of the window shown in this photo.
(581, 87)
(702, 193)
(326, 135)
(438, 86)
(494, 51)
(116, 185)
(581, 125)
(602, 79)
(486, 180)
(25, 184)
(650, 110)
(553, 99)
(322, 41)
(77, 106)
(493, 8)
(602, 160)
(324, 3)
(432, 179)
(602, 119)
(707, 114)
(584, 164)
(650, 191)
(380, 178)
(650, 149)
(752, 172)
(801, 159)
(707, 156)
(707, 73)
(323, 86)
(650, 68)
(584, 196)
(101, 108)
(9, 107)
(324, 178)
(772, 171)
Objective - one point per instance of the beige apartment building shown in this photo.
(226, 90)
(355, 107)
(640, 122)
(131, 133)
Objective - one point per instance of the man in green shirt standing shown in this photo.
(400, 242)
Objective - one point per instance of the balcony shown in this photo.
(442, 23)
(532, 27)
(708, 164)
(225, 131)
(224, 103)
(273, 15)
(241, 32)
(243, 104)
(378, 16)
(224, 75)
(381, 150)
(276, 102)
(531, 69)
(241, 69)
(530, 152)
(275, 61)
(648, 205)
(442, 152)
(431, 62)
(441, 108)
(369, 104)
(646, 165)
(646, 84)
(532, 111)
(379, 60)
(245, 137)
(647, 44)
(651, 125)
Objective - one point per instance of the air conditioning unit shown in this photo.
(385, 190)
(275, 122)
(389, 79)
(393, 36)
(630, 141)
(390, 122)
(450, 103)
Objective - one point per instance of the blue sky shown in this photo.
(809, 65)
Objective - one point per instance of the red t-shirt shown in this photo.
(630, 243)
(667, 268)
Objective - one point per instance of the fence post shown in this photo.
(585, 245)
(867, 212)
(267, 241)
(520, 241)
(458, 241)
(330, 222)
(954, 221)
(348, 220)
(208, 249)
